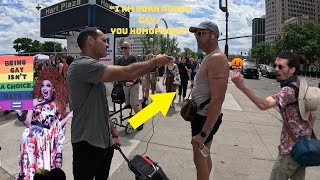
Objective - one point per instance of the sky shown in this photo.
(20, 18)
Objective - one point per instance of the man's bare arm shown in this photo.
(133, 71)
(260, 102)
(217, 73)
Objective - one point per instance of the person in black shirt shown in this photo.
(184, 69)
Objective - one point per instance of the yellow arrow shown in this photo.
(160, 102)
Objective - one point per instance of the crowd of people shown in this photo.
(93, 138)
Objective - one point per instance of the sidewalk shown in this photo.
(244, 147)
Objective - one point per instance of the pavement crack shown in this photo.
(259, 136)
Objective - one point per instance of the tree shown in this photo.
(199, 55)
(148, 46)
(27, 45)
(50, 46)
(22, 45)
(302, 39)
(36, 46)
(163, 44)
(263, 52)
(160, 44)
(188, 52)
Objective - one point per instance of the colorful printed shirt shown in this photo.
(289, 109)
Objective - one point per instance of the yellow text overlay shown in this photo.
(147, 9)
(149, 30)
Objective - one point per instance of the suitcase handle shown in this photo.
(117, 147)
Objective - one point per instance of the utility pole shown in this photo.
(225, 9)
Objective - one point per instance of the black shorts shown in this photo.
(192, 75)
(90, 161)
(198, 123)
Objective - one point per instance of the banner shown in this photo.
(16, 82)
(72, 45)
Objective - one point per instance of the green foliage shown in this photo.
(160, 44)
(263, 52)
(303, 39)
(27, 45)
(22, 45)
(50, 46)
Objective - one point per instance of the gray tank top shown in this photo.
(201, 91)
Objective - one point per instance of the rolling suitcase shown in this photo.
(144, 168)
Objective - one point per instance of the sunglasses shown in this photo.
(124, 47)
(280, 67)
(199, 33)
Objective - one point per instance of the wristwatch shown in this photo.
(203, 134)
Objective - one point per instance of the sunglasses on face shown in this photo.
(199, 33)
(280, 67)
(124, 47)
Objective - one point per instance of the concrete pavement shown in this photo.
(244, 147)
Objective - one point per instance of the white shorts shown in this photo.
(132, 94)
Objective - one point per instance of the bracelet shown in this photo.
(115, 136)
(21, 118)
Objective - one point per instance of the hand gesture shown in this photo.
(162, 59)
(238, 79)
(197, 141)
(117, 141)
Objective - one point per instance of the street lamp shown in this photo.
(168, 37)
(225, 9)
(38, 7)
(151, 40)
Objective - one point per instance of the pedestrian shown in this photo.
(209, 90)
(92, 136)
(45, 124)
(130, 87)
(170, 71)
(184, 71)
(287, 66)
(193, 66)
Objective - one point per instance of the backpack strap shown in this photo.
(296, 92)
(202, 105)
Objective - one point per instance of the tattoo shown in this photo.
(220, 77)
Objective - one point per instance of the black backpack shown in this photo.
(117, 94)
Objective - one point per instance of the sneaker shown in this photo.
(140, 127)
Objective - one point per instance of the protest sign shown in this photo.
(16, 82)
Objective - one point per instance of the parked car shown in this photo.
(268, 71)
(250, 69)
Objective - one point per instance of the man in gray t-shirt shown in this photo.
(90, 130)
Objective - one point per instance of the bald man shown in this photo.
(130, 88)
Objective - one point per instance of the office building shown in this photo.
(135, 44)
(258, 27)
(278, 11)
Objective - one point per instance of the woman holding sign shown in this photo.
(42, 140)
